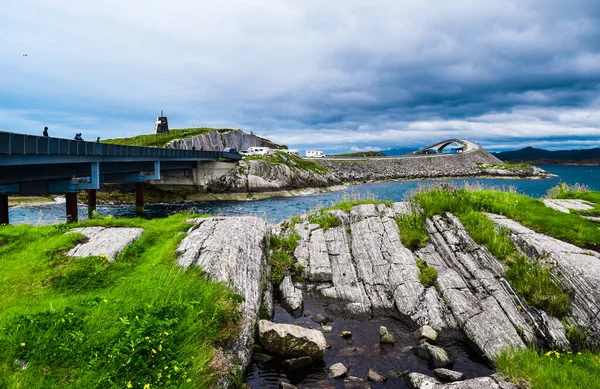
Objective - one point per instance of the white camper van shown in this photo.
(258, 150)
(314, 154)
(290, 151)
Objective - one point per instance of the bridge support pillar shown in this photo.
(91, 195)
(139, 198)
(3, 208)
(72, 216)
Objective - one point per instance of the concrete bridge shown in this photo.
(34, 165)
(464, 146)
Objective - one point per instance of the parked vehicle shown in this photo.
(258, 150)
(314, 154)
(244, 153)
(230, 150)
(290, 151)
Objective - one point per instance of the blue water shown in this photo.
(275, 210)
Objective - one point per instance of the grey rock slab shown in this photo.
(376, 377)
(337, 370)
(474, 383)
(291, 340)
(437, 356)
(291, 297)
(104, 241)
(230, 250)
(565, 205)
(449, 375)
(575, 268)
(285, 385)
(427, 333)
(319, 267)
(421, 381)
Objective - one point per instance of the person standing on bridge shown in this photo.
(45, 133)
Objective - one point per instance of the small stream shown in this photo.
(362, 352)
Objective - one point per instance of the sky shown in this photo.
(333, 75)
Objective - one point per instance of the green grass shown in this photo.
(577, 192)
(428, 275)
(530, 279)
(160, 140)
(347, 205)
(412, 230)
(325, 220)
(551, 370)
(484, 166)
(86, 323)
(282, 259)
(292, 161)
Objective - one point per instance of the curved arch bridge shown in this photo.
(32, 165)
(459, 146)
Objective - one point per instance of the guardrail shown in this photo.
(22, 144)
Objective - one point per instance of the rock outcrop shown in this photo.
(104, 241)
(238, 262)
(422, 381)
(576, 269)
(291, 340)
(219, 140)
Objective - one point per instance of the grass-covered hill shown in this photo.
(160, 140)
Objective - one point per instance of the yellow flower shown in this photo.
(105, 300)
(189, 380)
(160, 347)
(166, 333)
(175, 368)
(153, 351)
(147, 386)
(22, 344)
(129, 385)
(548, 353)
(166, 367)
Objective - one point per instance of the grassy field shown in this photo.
(578, 192)
(137, 322)
(160, 140)
(551, 370)
(292, 161)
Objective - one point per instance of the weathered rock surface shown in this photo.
(428, 334)
(291, 340)
(422, 381)
(285, 385)
(104, 241)
(385, 336)
(337, 370)
(291, 298)
(449, 375)
(486, 308)
(376, 377)
(218, 140)
(293, 364)
(576, 269)
(230, 250)
(371, 271)
(565, 205)
(437, 356)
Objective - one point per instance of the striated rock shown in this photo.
(421, 381)
(293, 364)
(337, 370)
(428, 334)
(437, 356)
(291, 340)
(285, 385)
(291, 298)
(385, 336)
(219, 140)
(376, 377)
(474, 383)
(104, 241)
(449, 375)
(238, 262)
(576, 269)
(565, 205)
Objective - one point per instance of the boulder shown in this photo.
(385, 336)
(291, 297)
(326, 329)
(104, 241)
(346, 334)
(437, 356)
(474, 383)
(296, 363)
(449, 375)
(260, 357)
(291, 340)
(376, 377)
(337, 370)
(319, 318)
(421, 381)
(428, 334)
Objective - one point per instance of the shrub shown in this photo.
(428, 275)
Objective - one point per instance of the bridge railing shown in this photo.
(22, 144)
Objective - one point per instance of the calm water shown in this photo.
(277, 209)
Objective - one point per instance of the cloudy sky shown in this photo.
(337, 75)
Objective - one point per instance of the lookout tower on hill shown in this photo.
(162, 125)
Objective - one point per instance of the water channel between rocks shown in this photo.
(362, 352)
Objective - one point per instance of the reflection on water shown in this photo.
(275, 210)
(362, 352)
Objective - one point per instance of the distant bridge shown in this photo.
(32, 164)
(464, 147)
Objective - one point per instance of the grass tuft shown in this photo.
(325, 220)
(413, 233)
(428, 275)
(282, 258)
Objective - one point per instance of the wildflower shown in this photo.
(153, 351)
(129, 385)
(160, 347)
(188, 380)
(175, 368)
(147, 338)
(166, 333)
(548, 353)
(22, 344)
(105, 300)
(166, 367)
(147, 386)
